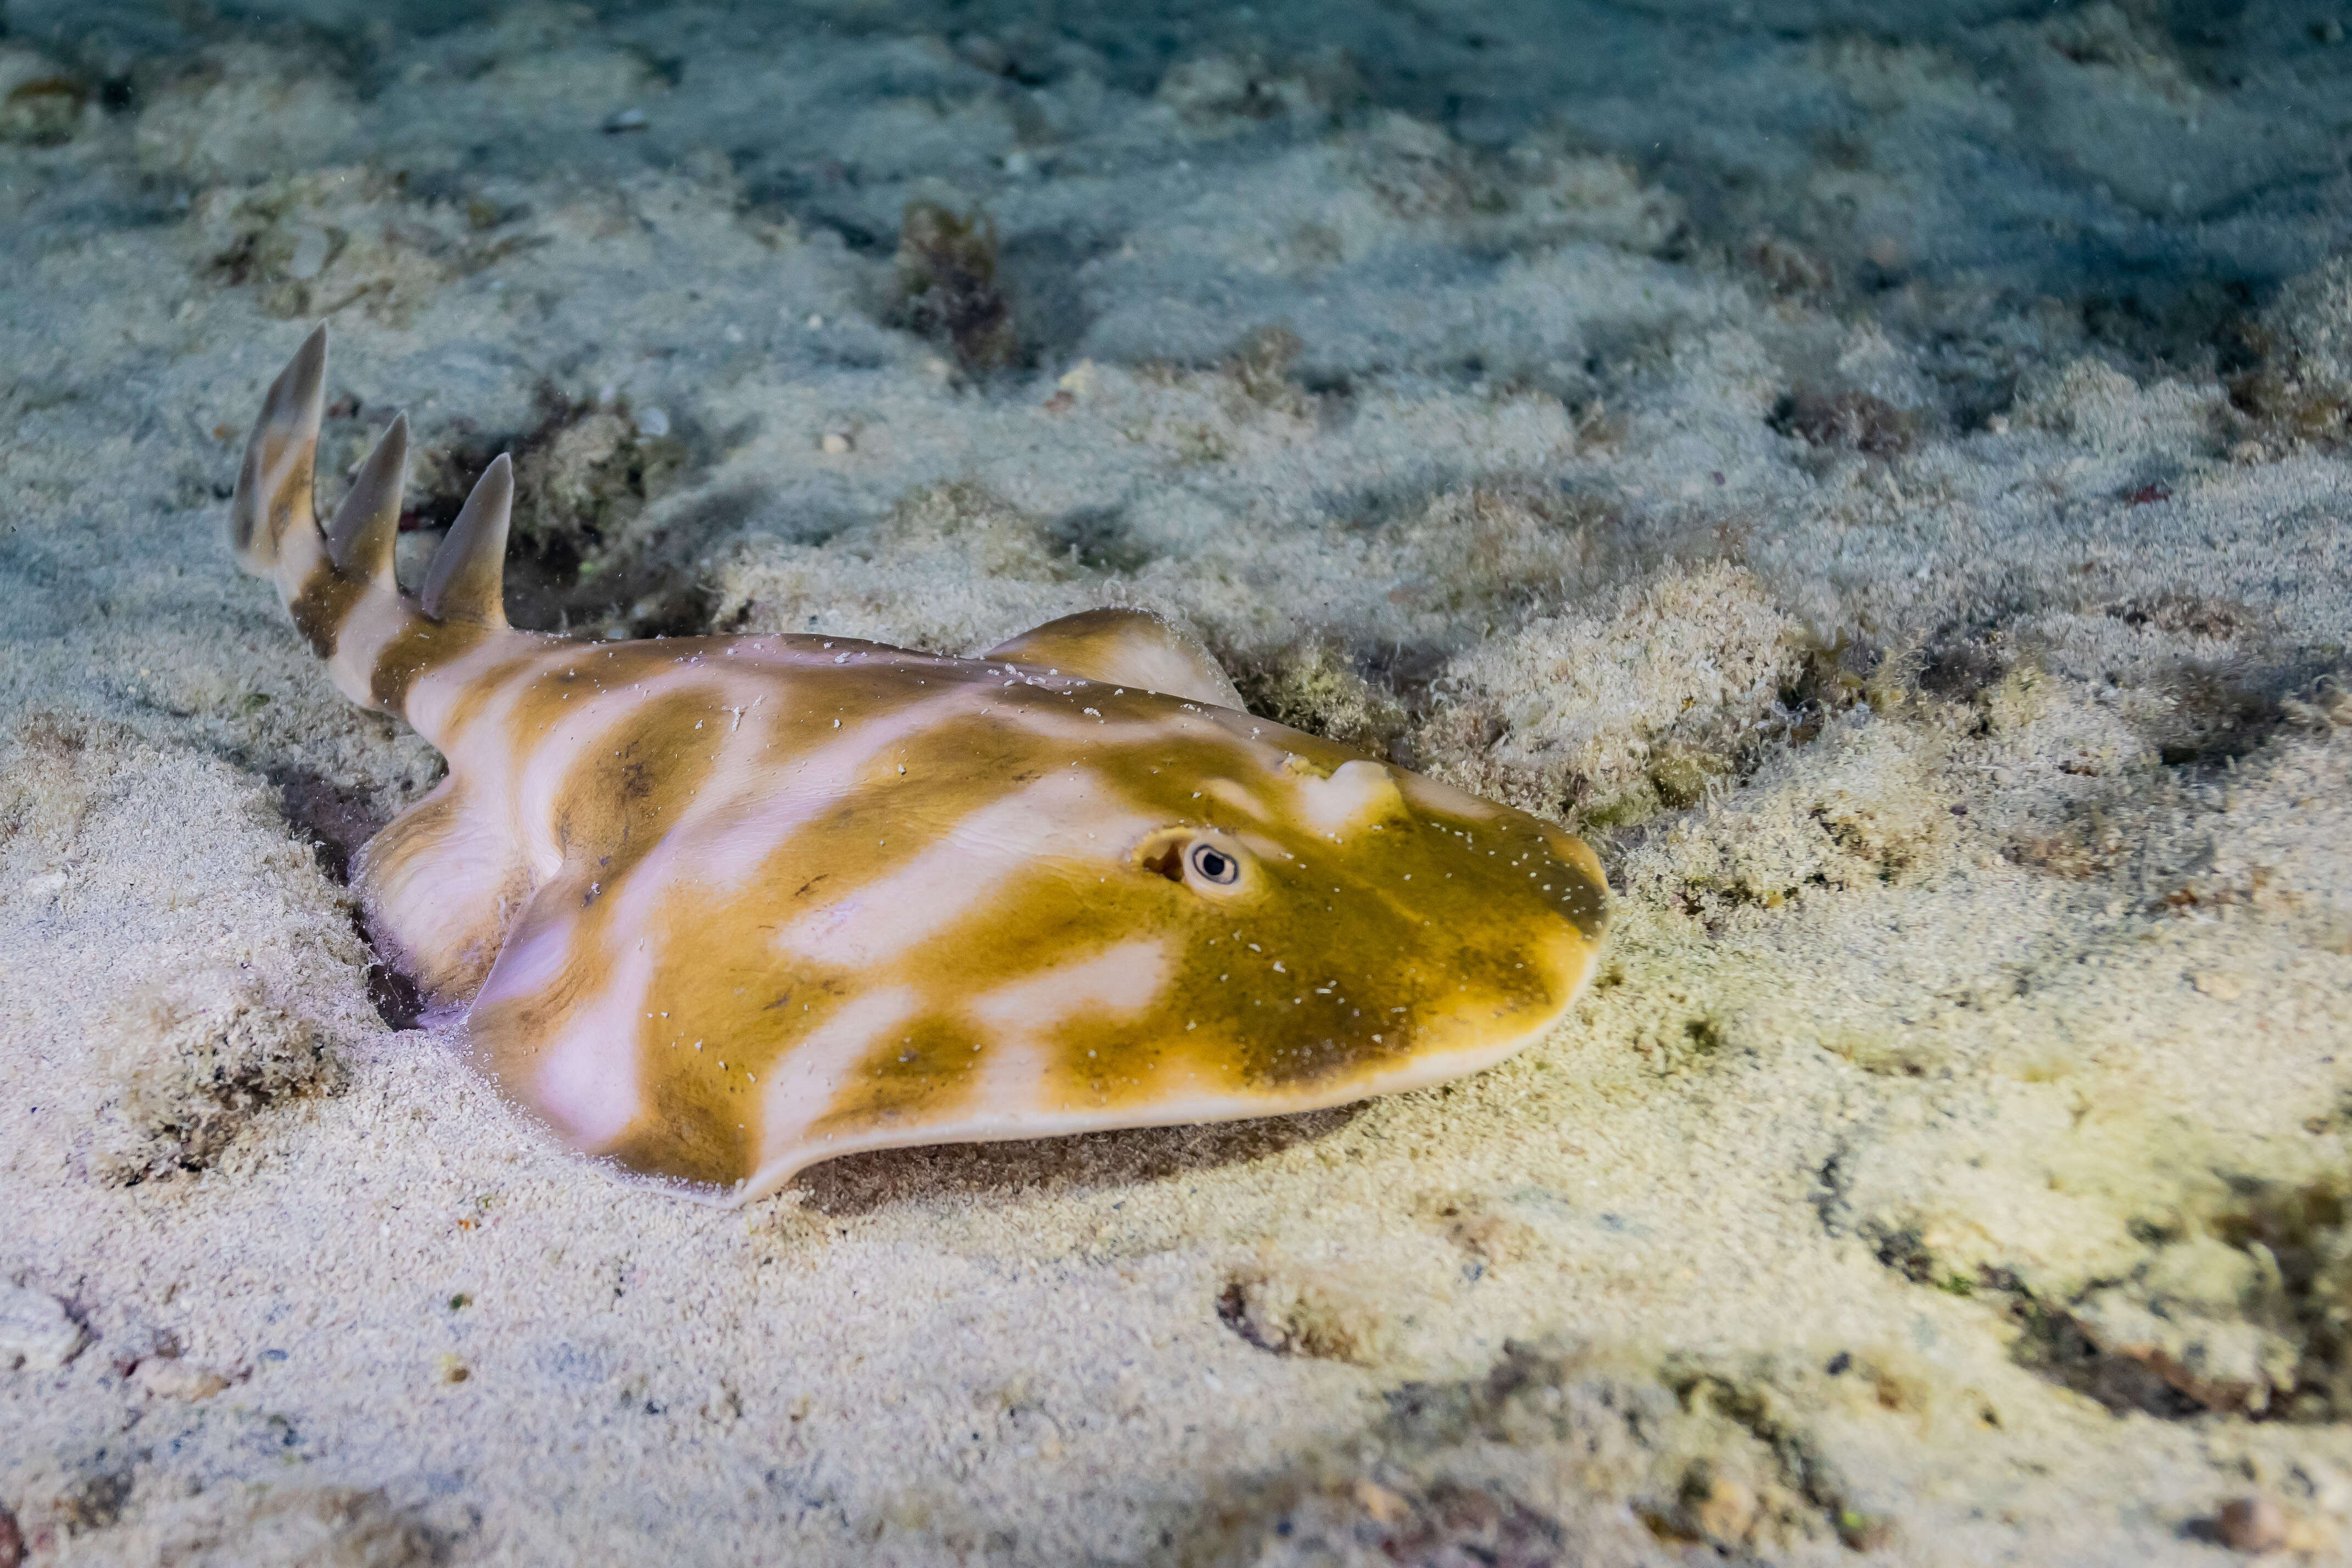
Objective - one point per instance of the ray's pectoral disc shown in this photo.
(719, 908)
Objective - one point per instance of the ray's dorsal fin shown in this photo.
(339, 582)
(273, 486)
(468, 579)
(1124, 648)
(367, 525)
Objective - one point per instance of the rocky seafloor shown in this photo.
(1882, 479)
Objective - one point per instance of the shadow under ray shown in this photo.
(866, 1182)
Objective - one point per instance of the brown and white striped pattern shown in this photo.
(722, 907)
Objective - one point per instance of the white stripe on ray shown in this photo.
(1357, 793)
(759, 812)
(301, 554)
(528, 774)
(1075, 726)
(301, 559)
(438, 688)
(803, 651)
(1234, 795)
(533, 959)
(588, 720)
(372, 621)
(487, 754)
(740, 767)
(1022, 1016)
(587, 1081)
(815, 1068)
(1069, 813)
(779, 803)
(689, 849)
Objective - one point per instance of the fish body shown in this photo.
(721, 907)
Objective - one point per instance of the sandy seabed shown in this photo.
(1884, 481)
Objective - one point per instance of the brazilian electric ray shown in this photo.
(719, 908)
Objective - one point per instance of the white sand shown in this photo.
(1892, 494)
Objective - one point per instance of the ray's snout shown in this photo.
(1395, 932)
(1510, 917)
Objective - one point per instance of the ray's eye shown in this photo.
(1212, 864)
(1201, 864)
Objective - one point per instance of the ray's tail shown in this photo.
(338, 583)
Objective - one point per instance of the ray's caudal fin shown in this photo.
(338, 583)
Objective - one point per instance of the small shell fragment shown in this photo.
(168, 1377)
(36, 1331)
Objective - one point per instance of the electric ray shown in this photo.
(721, 907)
